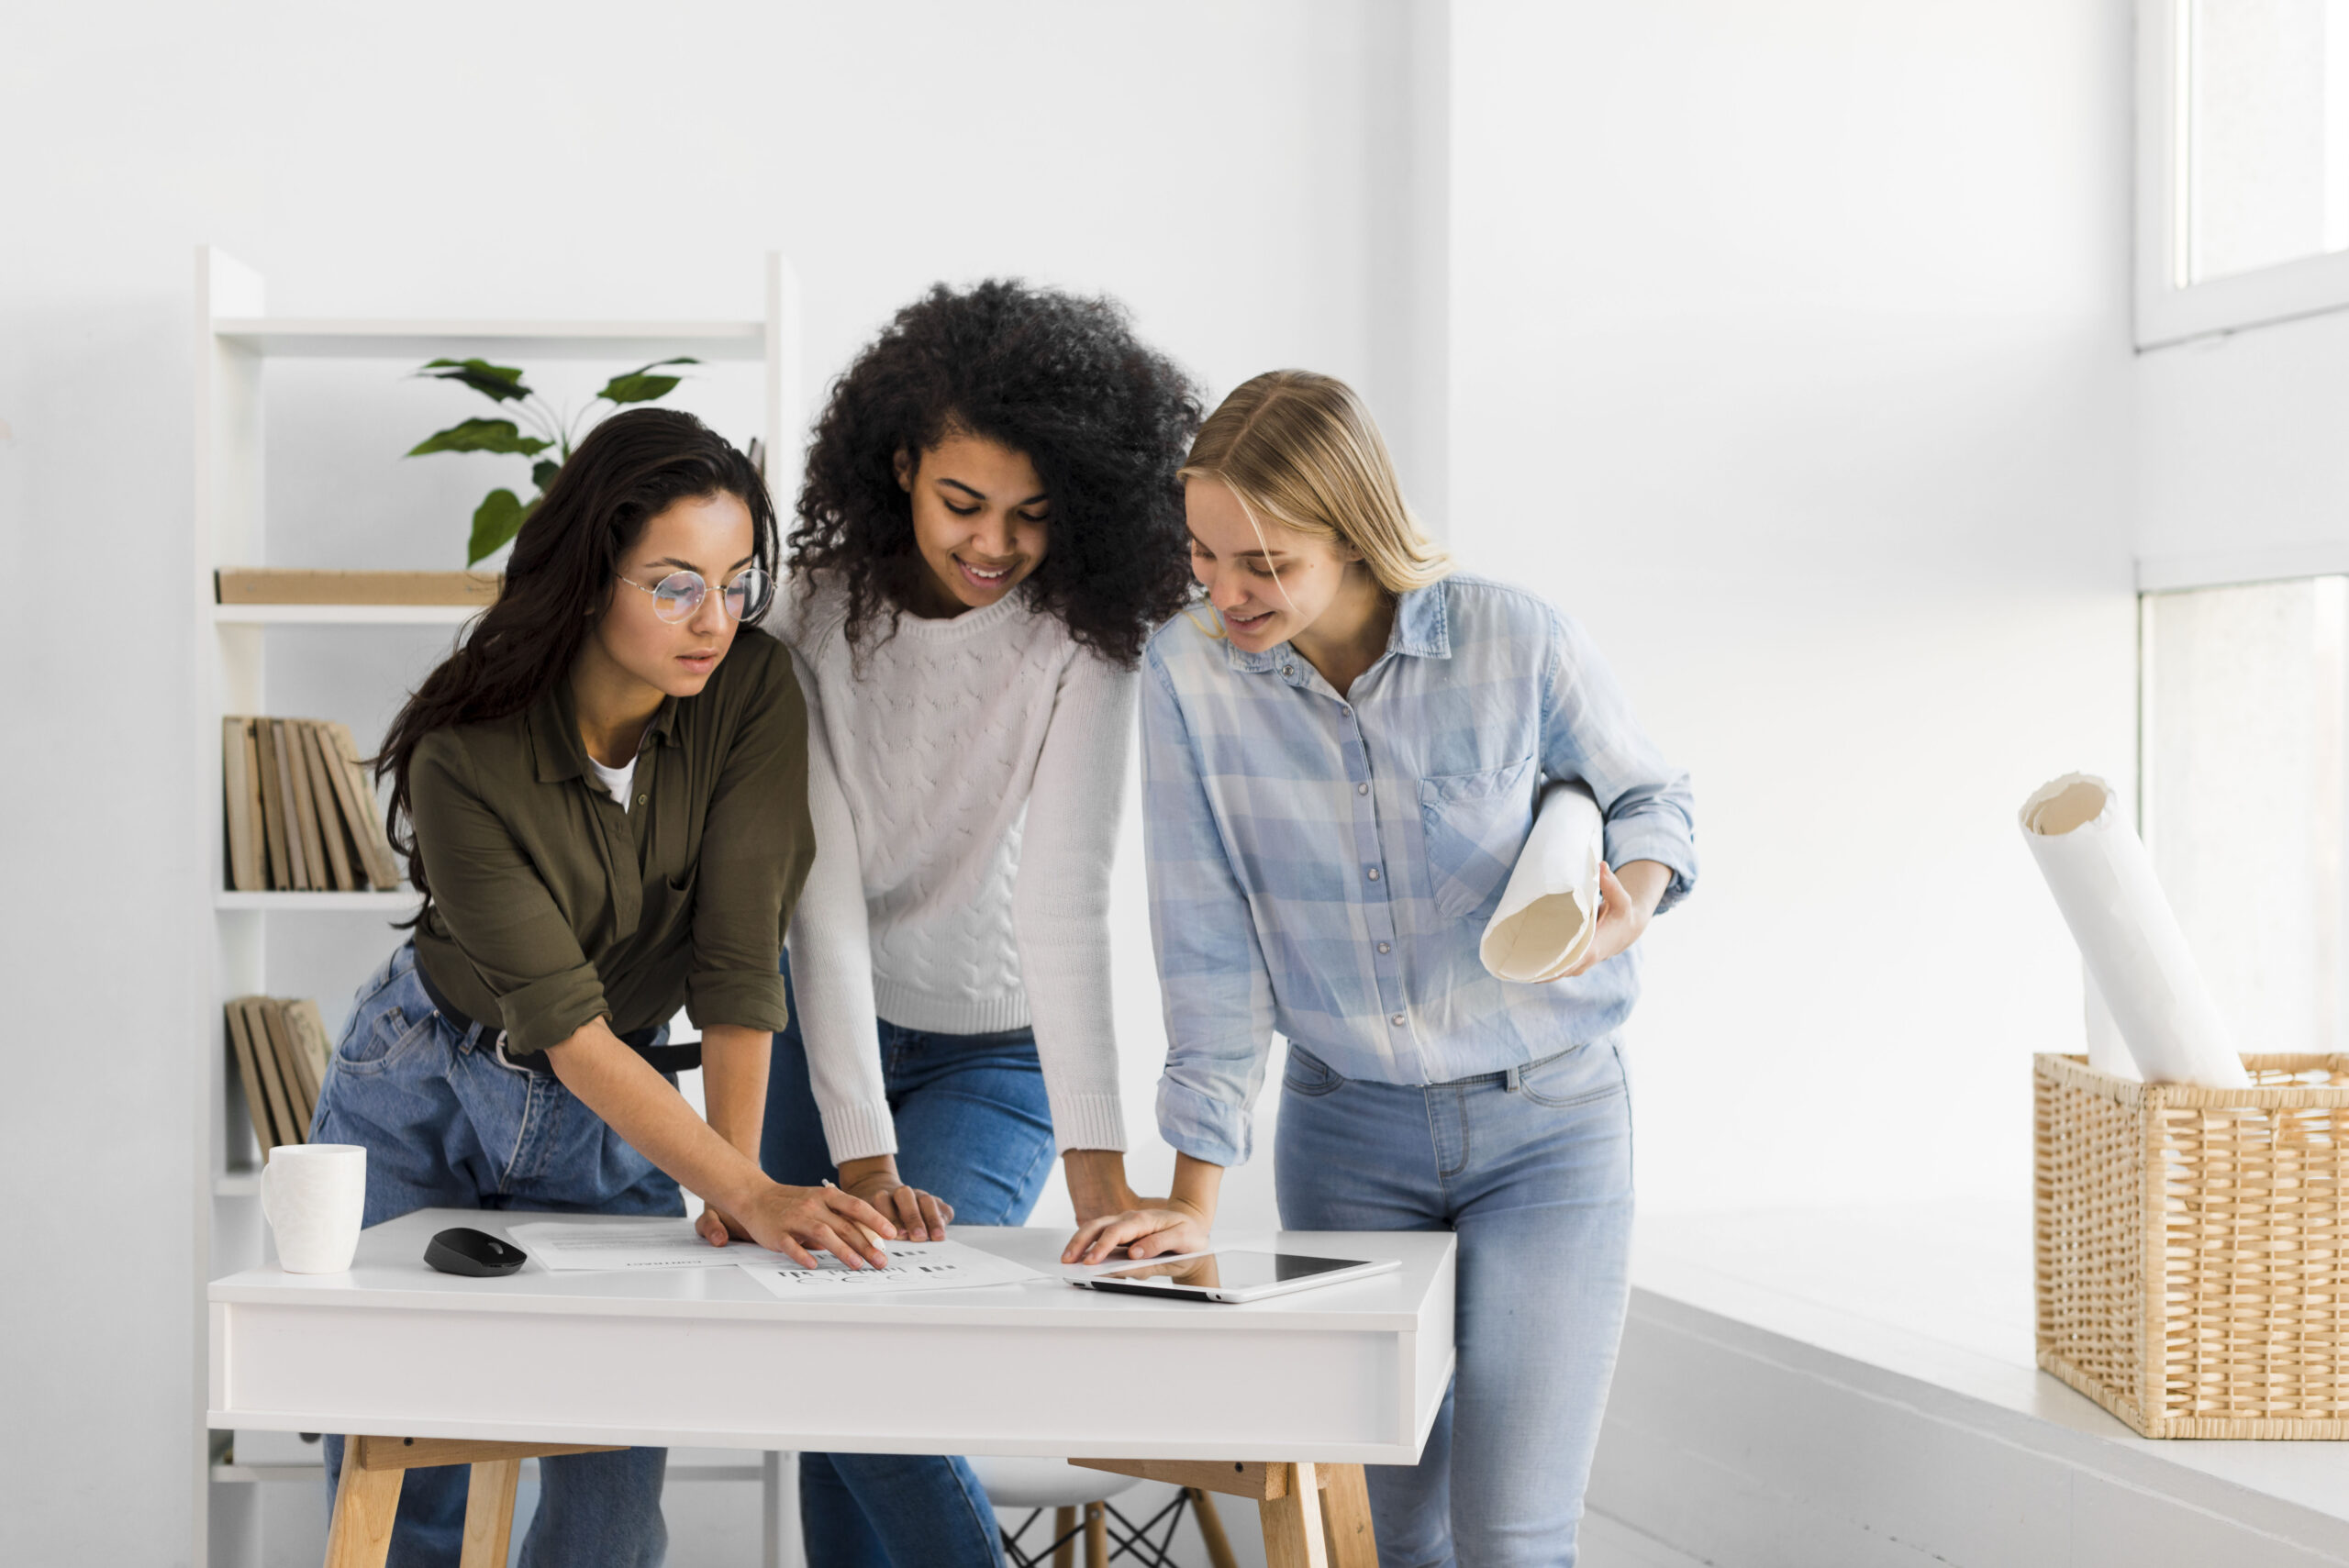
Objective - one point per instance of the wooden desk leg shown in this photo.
(1303, 1528)
(366, 1503)
(1293, 1536)
(1345, 1517)
(1096, 1535)
(1218, 1545)
(369, 1496)
(489, 1513)
(1065, 1538)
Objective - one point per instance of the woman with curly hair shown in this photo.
(990, 529)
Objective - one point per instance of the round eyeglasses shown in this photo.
(676, 597)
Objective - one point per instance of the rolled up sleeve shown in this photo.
(1219, 994)
(1588, 732)
(495, 906)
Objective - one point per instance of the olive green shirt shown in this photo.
(553, 906)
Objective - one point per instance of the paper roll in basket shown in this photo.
(1549, 909)
(2104, 883)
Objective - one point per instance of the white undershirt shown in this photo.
(616, 780)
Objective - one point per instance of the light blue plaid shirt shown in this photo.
(1324, 865)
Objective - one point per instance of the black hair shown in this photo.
(560, 579)
(1059, 378)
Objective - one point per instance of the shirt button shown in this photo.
(1344, 711)
(642, 798)
(1373, 873)
(1362, 789)
(1382, 948)
(1287, 670)
(1396, 1020)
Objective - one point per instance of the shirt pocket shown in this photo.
(668, 916)
(1476, 825)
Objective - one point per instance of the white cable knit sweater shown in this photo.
(964, 779)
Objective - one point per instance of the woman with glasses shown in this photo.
(989, 528)
(602, 798)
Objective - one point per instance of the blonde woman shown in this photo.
(1339, 772)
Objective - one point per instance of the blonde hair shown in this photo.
(1302, 449)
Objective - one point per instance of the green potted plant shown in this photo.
(501, 513)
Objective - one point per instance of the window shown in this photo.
(2245, 709)
(2243, 164)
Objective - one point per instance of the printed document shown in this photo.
(913, 1265)
(567, 1245)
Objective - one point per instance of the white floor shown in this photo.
(1610, 1544)
(1858, 1387)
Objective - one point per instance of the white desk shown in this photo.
(1291, 1395)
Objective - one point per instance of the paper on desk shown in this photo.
(1550, 908)
(2104, 883)
(569, 1245)
(913, 1265)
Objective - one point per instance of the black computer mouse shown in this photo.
(466, 1250)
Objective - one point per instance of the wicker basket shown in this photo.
(2194, 1247)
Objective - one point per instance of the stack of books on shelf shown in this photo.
(281, 1050)
(302, 812)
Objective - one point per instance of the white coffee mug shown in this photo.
(314, 1195)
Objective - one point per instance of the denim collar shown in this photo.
(1420, 630)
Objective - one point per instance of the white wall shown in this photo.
(1209, 166)
(1788, 349)
(2243, 467)
(1790, 352)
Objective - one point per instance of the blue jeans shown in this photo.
(446, 1125)
(974, 1128)
(1532, 1170)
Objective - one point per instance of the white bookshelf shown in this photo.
(400, 902)
(291, 338)
(235, 341)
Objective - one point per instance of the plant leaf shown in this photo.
(638, 387)
(542, 472)
(496, 520)
(480, 436)
(503, 383)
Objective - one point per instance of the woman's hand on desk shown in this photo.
(1096, 1182)
(795, 1221)
(919, 1215)
(1153, 1231)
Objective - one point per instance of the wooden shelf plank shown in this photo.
(345, 615)
(401, 902)
(293, 336)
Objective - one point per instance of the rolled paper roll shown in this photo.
(2104, 883)
(2108, 1052)
(1549, 909)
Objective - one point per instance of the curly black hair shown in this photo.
(1063, 379)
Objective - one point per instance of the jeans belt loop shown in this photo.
(1516, 1079)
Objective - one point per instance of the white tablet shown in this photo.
(1234, 1276)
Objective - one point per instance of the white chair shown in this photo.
(1055, 1484)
